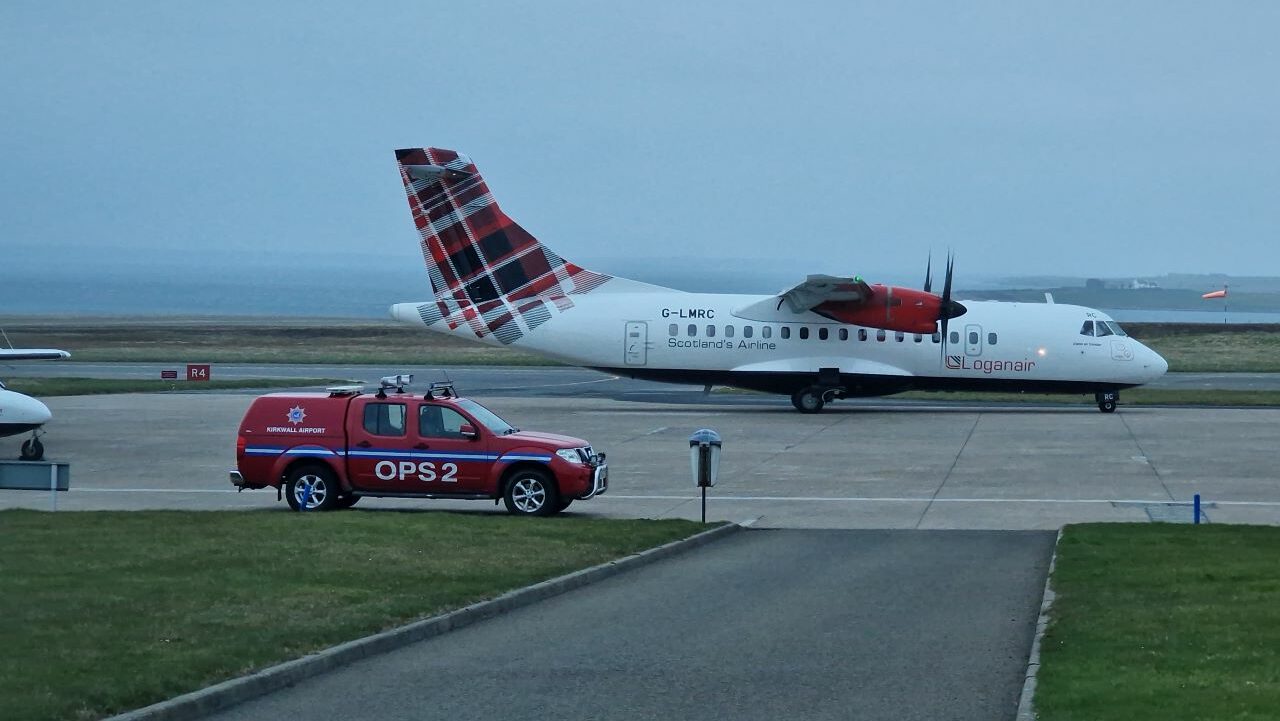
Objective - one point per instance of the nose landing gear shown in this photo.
(32, 449)
(1107, 400)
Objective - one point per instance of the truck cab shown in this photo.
(325, 451)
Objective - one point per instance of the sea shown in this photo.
(357, 292)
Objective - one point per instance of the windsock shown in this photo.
(1215, 294)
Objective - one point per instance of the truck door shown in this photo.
(635, 343)
(449, 462)
(973, 340)
(380, 451)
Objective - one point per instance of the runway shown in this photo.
(888, 465)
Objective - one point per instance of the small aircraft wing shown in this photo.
(818, 289)
(32, 354)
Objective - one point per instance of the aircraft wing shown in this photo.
(32, 354)
(818, 289)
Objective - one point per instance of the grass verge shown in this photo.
(107, 611)
(1161, 621)
(92, 386)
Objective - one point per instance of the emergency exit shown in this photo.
(636, 343)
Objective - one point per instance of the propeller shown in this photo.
(928, 274)
(948, 309)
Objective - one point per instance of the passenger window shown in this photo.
(973, 337)
(899, 336)
(786, 332)
(919, 337)
(728, 331)
(844, 334)
(1102, 329)
(937, 337)
(746, 331)
(440, 422)
(384, 419)
(674, 330)
(880, 335)
(711, 331)
(991, 339)
(862, 334)
(804, 332)
(1087, 328)
(693, 330)
(766, 332)
(823, 334)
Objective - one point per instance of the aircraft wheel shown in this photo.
(808, 400)
(32, 450)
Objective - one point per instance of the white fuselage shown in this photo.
(705, 338)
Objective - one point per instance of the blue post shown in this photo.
(1197, 509)
(306, 498)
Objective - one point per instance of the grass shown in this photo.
(46, 387)
(342, 341)
(1163, 622)
(108, 611)
(1187, 347)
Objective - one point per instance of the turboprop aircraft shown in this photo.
(21, 413)
(826, 338)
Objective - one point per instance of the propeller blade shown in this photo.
(928, 274)
(944, 310)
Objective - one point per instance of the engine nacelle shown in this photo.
(892, 308)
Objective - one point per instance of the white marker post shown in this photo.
(704, 461)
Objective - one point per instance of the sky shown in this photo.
(206, 143)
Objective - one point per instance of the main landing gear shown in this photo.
(811, 399)
(1107, 400)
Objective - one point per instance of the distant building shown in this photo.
(1135, 284)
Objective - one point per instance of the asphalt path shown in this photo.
(536, 381)
(761, 625)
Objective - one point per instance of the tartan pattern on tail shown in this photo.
(486, 271)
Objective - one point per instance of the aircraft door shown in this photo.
(973, 340)
(636, 343)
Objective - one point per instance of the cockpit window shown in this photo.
(1102, 328)
(1115, 328)
(1087, 328)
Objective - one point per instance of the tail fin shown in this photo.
(486, 271)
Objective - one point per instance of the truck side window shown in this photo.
(439, 422)
(384, 419)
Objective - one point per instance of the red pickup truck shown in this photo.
(328, 450)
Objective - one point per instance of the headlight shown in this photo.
(570, 454)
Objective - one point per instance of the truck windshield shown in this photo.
(487, 417)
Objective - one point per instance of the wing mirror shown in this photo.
(468, 431)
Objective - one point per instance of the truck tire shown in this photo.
(324, 488)
(563, 504)
(346, 501)
(531, 492)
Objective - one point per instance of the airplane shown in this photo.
(21, 413)
(827, 338)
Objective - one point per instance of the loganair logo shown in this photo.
(297, 415)
(962, 363)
